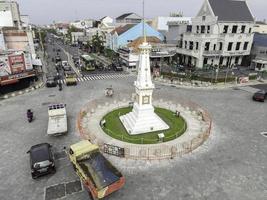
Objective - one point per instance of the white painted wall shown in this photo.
(6, 19)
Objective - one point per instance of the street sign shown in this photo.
(114, 150)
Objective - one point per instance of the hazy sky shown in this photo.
(45, 11)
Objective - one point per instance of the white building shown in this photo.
(9, 14)
(260, 27)
(83, 24)
(161, 23)
(221, 34)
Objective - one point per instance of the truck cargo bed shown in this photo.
(100, 170)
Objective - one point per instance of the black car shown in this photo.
(41, 160)
(51, 81)
(260, 96)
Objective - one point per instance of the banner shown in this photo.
(16, 63)
(4, 66)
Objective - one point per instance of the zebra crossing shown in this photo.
(99, 77)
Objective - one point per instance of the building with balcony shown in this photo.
(220, 35)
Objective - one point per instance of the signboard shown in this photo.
(16, 63)
(28, 62)
(114, 150)
(4, 66)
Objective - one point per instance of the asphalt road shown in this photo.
(231, 165)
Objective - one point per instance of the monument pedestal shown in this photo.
(142, 119)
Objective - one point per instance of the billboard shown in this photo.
(17, 63)
(28, 61)
(4, 66)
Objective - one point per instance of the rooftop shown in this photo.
(231, 10)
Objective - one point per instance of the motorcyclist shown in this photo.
(29, 115)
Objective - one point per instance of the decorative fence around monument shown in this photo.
(148, 152)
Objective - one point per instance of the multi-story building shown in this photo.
(9, 14)
(220, 35)
(259, 52)
(17, 52)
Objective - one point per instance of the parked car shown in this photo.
(51, 81)
(41, 160)
(260, 96)
(117, 67)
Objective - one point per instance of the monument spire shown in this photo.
(143, 119)
(144, 32)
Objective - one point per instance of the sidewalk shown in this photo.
(205, 85)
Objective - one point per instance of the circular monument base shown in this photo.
(198, 130)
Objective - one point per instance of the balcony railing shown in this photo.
(212, 53)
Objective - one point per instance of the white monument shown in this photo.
(143, 119)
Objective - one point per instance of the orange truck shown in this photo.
(98, 175)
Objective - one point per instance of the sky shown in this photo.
(47, 11)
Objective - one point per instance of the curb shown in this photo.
(24, 91)
(208, 86)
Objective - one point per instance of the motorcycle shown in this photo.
(29, 115)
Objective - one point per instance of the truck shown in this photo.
(71, 78)
(57, 119)
(98, 175)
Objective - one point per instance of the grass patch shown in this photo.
(115, 128)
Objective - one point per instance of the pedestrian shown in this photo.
(177, 113)
(59, 86)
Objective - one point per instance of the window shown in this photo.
(230, 44)
(221, 45)
(245, 46)
(189, 28)
(185, 44)
(234, 29)
(197, 46)
(249, 30)
(243, 28)
(208, 29)
(214, 47)
(202, 29)
(197, 29)
(203, 18)
(191, 45)
(237, 46)
(221, 61)
(207, 46)
(225, 29)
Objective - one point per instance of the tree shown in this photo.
(70, 30)
(97, 43)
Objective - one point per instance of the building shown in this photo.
(160, 52)
(61, 28)
(17, 52)
(83, 24)
(259, 52)
(260, 27)
(220, 35)
(128, 18)
(107, 20)
(121, 36)
(161, 23)
(10, 14)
